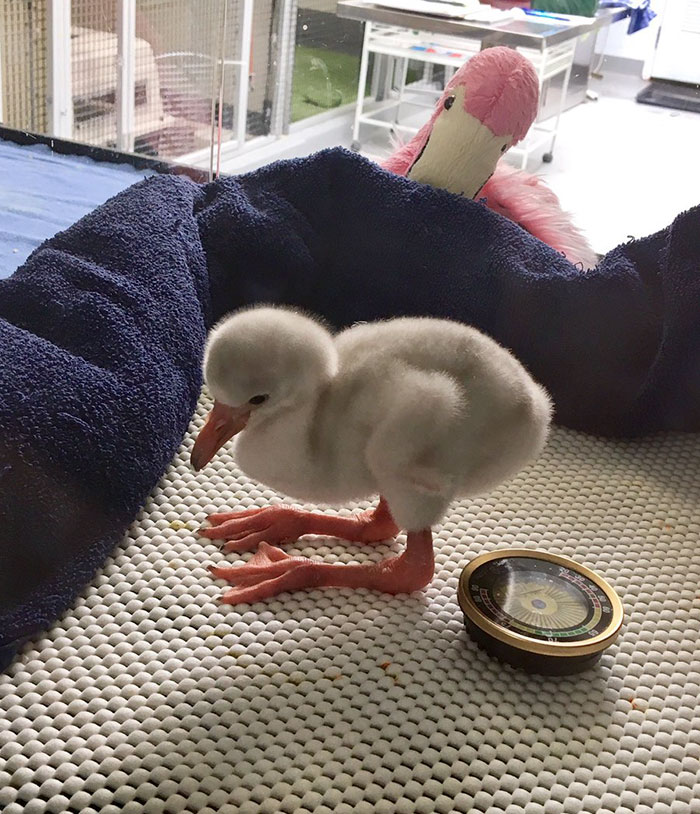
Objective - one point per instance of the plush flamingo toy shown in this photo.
(486, 108)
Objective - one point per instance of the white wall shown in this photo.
(638, 46)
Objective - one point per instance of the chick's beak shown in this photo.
(222, 423)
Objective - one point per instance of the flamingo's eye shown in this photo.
(447, 104)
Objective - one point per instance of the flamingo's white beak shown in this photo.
(461, 152)
(223, 422)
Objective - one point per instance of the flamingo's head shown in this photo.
(487, 107)
(259, 363)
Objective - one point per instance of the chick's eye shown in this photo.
(504, 148)
(449, 102)
(258, 399)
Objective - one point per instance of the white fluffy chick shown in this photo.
(419, 411)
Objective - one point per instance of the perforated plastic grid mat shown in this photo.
(149, 696)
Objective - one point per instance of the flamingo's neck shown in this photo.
(459, 153)
(279, 450)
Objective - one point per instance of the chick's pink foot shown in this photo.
(270, 572)
(281, 524)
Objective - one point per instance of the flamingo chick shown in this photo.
(420, 411)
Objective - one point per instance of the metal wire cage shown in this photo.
(156, 77)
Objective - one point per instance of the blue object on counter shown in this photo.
(535, 13)
(641, 13)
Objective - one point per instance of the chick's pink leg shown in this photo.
(270, 572)
(282, 524)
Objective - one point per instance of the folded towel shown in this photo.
(102, 332)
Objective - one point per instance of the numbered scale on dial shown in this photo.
(539, 611)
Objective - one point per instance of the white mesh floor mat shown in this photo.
(149, 696)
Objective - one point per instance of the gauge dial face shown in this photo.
(540, 599)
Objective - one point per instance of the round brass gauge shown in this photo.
(539, 611)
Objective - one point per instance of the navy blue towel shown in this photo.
(102, 331)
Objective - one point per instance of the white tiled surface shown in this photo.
(150, 697)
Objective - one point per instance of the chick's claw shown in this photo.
(221, 517)
(268, 573)
(245, 530)
(283, 524)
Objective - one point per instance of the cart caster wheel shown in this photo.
(355, 146)
(548, 158)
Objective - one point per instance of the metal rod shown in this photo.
(401, 88)
(222, 62)
(282, 99)
(213, 116)
(126, 74)
(59, 99)
(33, 116)
(2, 114)
(244, 76)
(361, 83)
